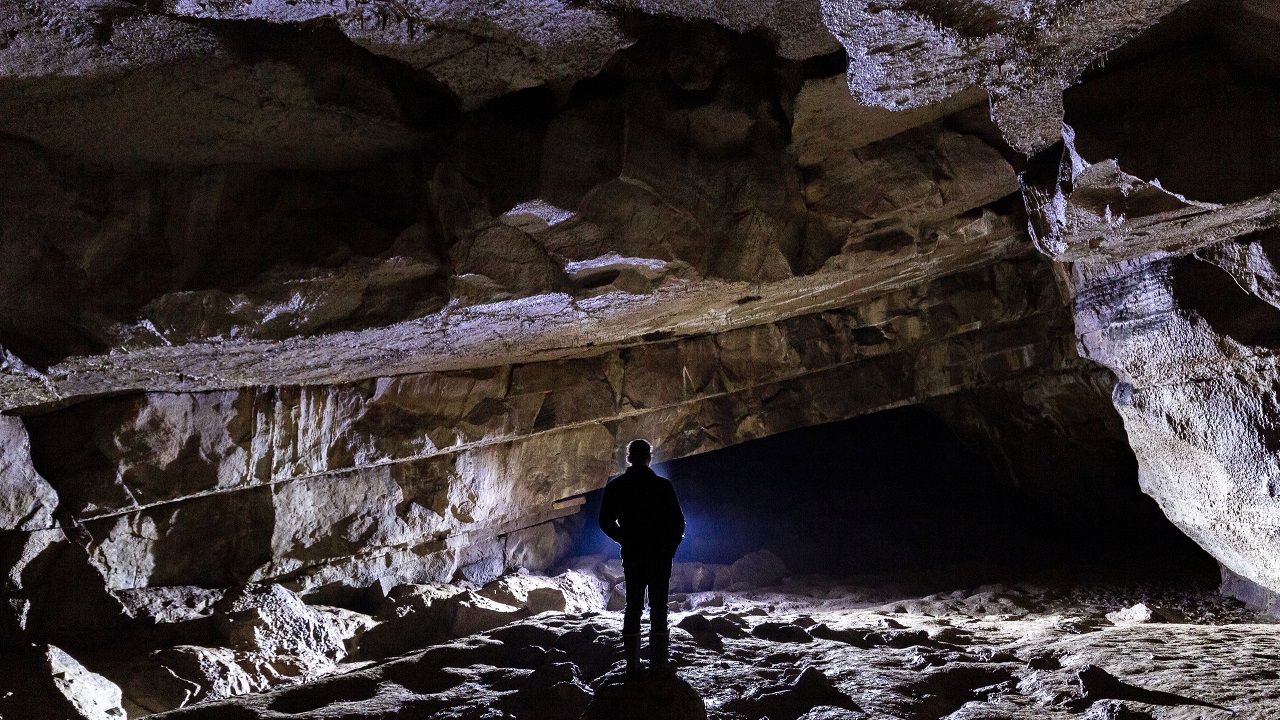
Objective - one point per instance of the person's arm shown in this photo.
(609, 515)
(677, 520)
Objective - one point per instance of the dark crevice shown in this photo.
(1210, 292)
(1185, 115)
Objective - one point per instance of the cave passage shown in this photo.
(898, 491)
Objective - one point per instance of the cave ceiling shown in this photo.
(263, 104)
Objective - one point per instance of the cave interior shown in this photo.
(954, 324)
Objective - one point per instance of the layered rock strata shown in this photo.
(435, 357)
(413, 477)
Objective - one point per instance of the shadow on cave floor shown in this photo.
(896, 500)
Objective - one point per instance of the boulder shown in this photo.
(169, 604)
(696, 577)
(781, 632)
(473, 613)
(610, 570)
(582, 592)
(272, 620)
(27, 501)
(700, 628)
(1134, 615)
(175, 677)
(42, 682)
(570, 591)
(348, 625)
(526, 591)
(787, 702)
(758, 569)
(411, 617)
(554, 690)
(653, 696)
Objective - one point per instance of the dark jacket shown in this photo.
(641, 513)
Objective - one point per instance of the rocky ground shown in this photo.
(759, 646)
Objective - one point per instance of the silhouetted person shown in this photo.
(640, 512)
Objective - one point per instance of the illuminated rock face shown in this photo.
(412, 478)
(343, 296)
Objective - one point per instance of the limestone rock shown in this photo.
(811, 688)
(339, 488)
(903, 56)
(781, 632)
(1195, 431)
(510, 258)
(699, 577)
(412, 616)
(27, 502)
(1148, 613)
(483, 50)
(831, 712)
(473, 613)
(1109, 215)
(273, 638)
(42, 682)
(537, 594)
(582, 592)
(170, 604)
(348, 297)
(651, 697)
(362, 292)
(128, 72)
(347, 625)
(612, 272)
(570, 591)
(758, 569)
(179, 676)
(828, 120)
(541, 546)
(271, 620)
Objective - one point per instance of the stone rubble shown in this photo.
(945, 656)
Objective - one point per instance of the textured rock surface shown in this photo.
(44, 682)
(1174, 297)
(909, 55)
(997, 651)
(404, 478)
(320, 302)
(27, 502)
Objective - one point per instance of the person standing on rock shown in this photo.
(641, 513)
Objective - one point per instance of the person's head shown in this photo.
(639, 453)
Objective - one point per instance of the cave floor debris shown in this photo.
(816, 648)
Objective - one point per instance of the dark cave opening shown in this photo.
(899, 492)
(1189, 116)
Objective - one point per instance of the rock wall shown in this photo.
(349, 296)
(410, 369)
(415, 478)
(1175, 296)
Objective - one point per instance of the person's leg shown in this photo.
(633, 574)
(659, 581)
(659, 636)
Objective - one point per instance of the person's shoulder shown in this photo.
(656, 477)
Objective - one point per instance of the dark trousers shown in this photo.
(643, 573)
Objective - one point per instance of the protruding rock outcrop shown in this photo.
(45, 683)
